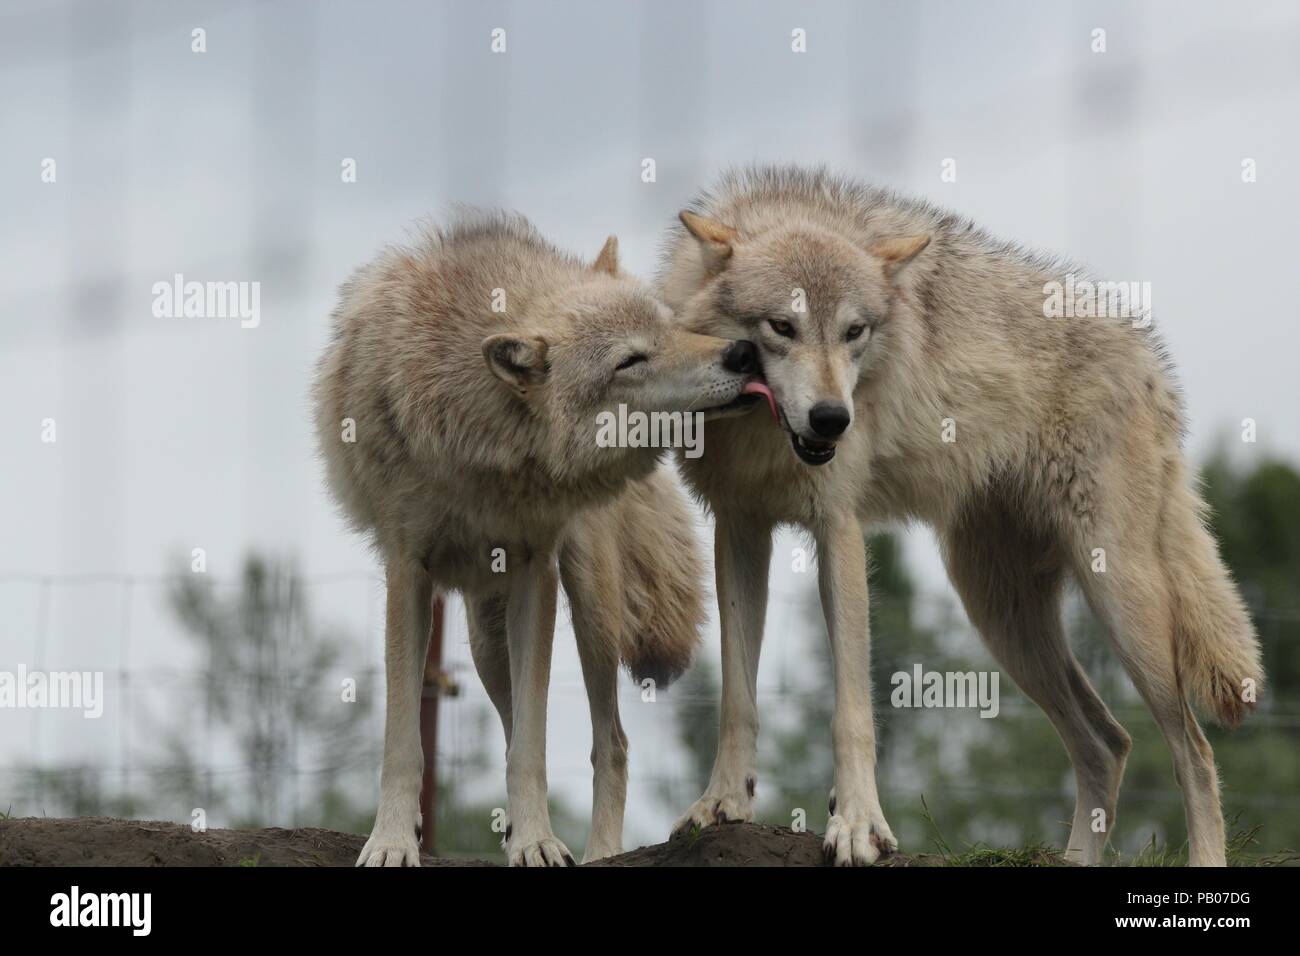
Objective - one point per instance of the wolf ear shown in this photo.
(716, 240)
(897, 253)
(519, 362)
(607, 261)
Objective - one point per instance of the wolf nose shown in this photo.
(740, 357)
(828, 419)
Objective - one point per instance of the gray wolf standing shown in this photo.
(915, 376)
(456, 411)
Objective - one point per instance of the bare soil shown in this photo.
(102, 841)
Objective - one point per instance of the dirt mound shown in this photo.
(740, 844)
(750, 844)
(102, 841)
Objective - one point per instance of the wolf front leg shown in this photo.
(406, 639)
(530, 630)
(742, 553)
(856, 833)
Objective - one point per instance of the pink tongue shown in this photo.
(758, 387)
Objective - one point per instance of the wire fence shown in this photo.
(287, 734)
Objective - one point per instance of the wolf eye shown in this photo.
(855, 332)
(630, 361)
(782, 328)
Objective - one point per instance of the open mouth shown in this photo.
(809, 451)
(812, 452)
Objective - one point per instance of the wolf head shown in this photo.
(814, 303)
(604, 344)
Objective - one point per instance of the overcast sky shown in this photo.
(177, 433)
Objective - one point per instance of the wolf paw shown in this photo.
(857, 839)
(708, 811)
(390, 848)
(548, 851)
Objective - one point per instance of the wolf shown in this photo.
(456, 412)
(914, 376)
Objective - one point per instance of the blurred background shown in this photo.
(1167, 156)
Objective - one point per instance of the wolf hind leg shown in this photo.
(491, 653)
(1133, 598)
(1010, 582)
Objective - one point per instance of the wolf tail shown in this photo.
(1215, 648)
(633, 573)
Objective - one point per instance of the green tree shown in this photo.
(266, 685)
